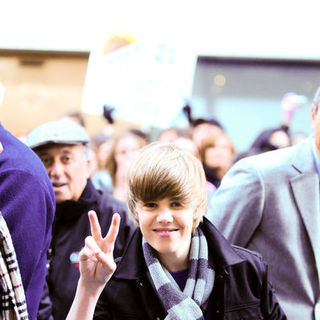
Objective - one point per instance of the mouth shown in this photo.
(58, 185)
(165, 232)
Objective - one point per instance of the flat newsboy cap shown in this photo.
(59, 132)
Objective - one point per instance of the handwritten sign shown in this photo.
(147, 83)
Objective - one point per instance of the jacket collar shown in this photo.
(132, 265)
(222, 252)
(304, 151)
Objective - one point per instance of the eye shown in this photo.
(176, 204)
(66, 159)
(46, 161)
(150, 205)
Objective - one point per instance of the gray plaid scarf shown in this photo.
(13, 302)
(184, 305)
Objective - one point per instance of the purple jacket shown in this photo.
(27, 203)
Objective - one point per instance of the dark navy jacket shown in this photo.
(241, 289)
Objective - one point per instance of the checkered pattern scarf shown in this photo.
(13, 302)
(186, 305)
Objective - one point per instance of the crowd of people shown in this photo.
(119, 226)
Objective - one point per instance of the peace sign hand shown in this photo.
(96, 258)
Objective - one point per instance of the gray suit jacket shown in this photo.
(270, 203)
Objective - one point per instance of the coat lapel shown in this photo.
(306, 192)
(131, 265)
(305, 187)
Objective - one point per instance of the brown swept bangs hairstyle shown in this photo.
(164, 170)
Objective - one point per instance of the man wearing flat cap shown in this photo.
(62, 147)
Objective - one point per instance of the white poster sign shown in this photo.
(146, 83)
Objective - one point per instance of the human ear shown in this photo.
(88, 168)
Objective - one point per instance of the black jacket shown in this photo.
(241, 289)
(70, 228)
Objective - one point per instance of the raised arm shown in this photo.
(96, 268)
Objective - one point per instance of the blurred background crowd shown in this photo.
(111, 150)
(130, 80)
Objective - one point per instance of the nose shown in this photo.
(55, 170)
(165, 216)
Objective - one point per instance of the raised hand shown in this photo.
(96, 258)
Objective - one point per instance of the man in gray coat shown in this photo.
(270, 203)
